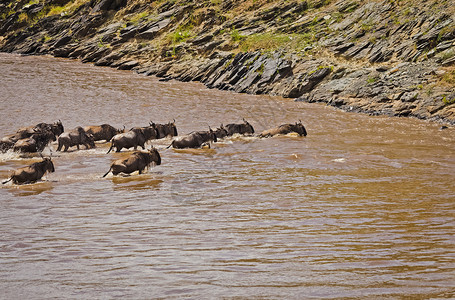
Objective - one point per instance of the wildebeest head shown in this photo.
(57, 128)
(173, 128)
(212, 135)
(247, 127)
(84, 137)
(155, 156)
(164, 130)
(150, 132)
(48, 165)
(299, 128)
(221, 132)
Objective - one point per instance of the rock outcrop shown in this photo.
(376, 57)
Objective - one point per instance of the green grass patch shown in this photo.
(371, 80)
(448, 101)
(271, 42)
(138, 17)
(236, 36)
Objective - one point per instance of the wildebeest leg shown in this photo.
(77, 146)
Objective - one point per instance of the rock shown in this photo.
(62, 41)
(105, 5)
(303, 85)
(109, 59)
(128, 32)
(154, 29)
(338, 85)
(33, 8)
(449, 61)
(343, 48)
(64, 51)
(127, 65)
(201, 39)
(382, 69)
(409, 96)
(94, 56)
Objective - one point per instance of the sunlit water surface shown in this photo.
(361, 207)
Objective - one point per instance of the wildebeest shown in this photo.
(194, 139)
(35, 143)
(32, 173)
(75, 137)
(136, 161)
(244, 128)
(102, 132)
(165, 130)
(285, 129)
(25, 132)
(137, 136)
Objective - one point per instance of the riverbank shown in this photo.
(376, 57)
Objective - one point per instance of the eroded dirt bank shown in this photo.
(379, 57)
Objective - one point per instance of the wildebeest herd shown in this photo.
(34, 139)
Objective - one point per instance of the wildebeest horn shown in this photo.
(300, 121)
(173, 121)
(41, 154)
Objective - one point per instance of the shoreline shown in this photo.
(361, 72)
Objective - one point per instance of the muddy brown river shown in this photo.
(363, 207)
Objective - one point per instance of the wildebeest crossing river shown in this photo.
(361, 207)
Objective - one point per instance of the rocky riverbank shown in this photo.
(378, 57)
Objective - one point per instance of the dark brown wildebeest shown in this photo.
(221, 132)
(136, 161)
(137, 136)
(244, 128)
(165, 130)
(32, 173)
(35, 143)
(194, 140)
(102, 132)
(285, 129)
(25, 132)
(75, 137)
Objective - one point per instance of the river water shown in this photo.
(363, 207)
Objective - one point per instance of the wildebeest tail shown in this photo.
(107, 171)
(112, 146)
(6, 181)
